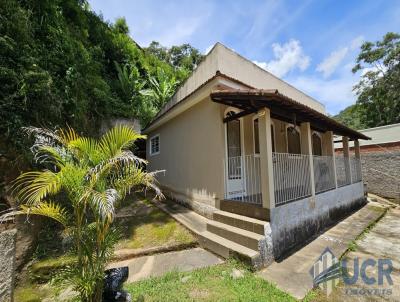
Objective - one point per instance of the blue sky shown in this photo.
(311, 44)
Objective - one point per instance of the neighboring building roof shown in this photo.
(379, 135)
(252, 100)
(223, 61)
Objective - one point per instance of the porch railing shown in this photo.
(291, 177)
(356, 172)
(291, 173)
(243, 179)
(342, 171)
(324, 173)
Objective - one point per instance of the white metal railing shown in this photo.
(291, 177)
(243, 179)
(342, 171)
(291, 174)
(355, 168)
(324, 173)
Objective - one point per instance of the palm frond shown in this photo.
(48, 209)
(32, 187)
(67, 135)
(102, 203)
(118, 164)
(118, 138)
(50, 155)
(87, 149)
(137, 178)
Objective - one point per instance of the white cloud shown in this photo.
(288, 56)
(357, 42)
(335, 94)
(330, 63)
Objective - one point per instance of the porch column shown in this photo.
(306, 149)
(330, 151)
(346, 155)
(357, 148)
(266, 164)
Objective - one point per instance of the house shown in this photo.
(380, 160)
(255, 155)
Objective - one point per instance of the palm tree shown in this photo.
(93, 175)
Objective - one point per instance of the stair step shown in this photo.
(239, 221)
(245, 209)
(240, 236)
(226, 248)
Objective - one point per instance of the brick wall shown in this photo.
(381, 173)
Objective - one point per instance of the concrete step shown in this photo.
(241, 222)
(240, 236)
(226, 248)
(245, 209)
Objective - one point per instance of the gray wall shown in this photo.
(296, 222)
(381, 173)
(7, 264)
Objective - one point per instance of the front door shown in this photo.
(234, 165)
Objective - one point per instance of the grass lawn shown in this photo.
(208, 284)
(142, 226)
(150, 227)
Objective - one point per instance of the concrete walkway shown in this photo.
(159, 264)
(190, 219)
(381, 242)
(292, 274)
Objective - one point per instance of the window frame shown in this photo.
(151, 145)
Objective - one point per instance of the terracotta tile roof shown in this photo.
(282, 106)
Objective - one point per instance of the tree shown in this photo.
(379, 88)
(183, 57)
(93, 176)
(161, 89)
(350, 117)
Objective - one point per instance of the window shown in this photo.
(155, 145)
(293, 140)
(257, 138)
(316, 144)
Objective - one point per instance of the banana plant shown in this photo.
(93, 176)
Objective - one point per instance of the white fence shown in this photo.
(324, 173)
(243, 179)
(291, 177)
(342, 171)
(291, 174)
(355, 166)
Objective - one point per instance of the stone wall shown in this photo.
(295, 223)
(7, 264)
(381, 173)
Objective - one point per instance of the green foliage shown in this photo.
(351, 117)
(94, 176)
(183, 57)
(379, 88)
(213, 283)
(61, 64)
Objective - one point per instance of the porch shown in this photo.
(279, 151)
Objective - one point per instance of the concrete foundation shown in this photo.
(297, 222)
(7, 264)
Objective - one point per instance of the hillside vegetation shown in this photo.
(62, 64)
